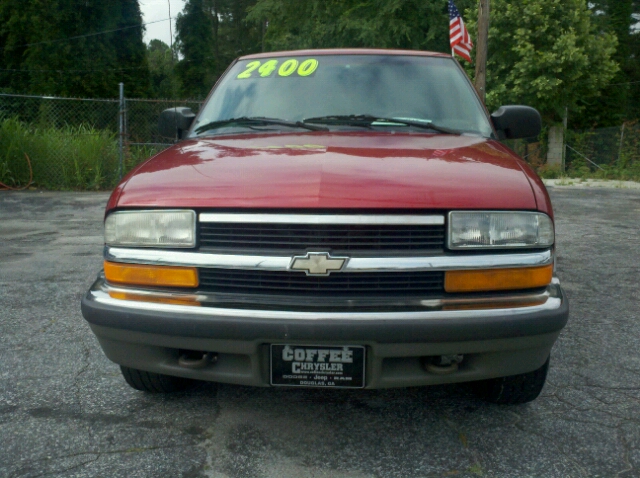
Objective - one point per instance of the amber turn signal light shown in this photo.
(164, 276)
(498, 279)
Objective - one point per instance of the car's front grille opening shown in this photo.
(296, 238)
(370, 284)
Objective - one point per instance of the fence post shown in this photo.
(125, 132)
(565, 122)
(621, 140)
(555, 147)
(121, 131)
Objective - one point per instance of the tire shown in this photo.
(514, 389)
(155, 382)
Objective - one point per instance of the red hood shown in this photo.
(330, 170)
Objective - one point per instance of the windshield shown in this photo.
(413, 88)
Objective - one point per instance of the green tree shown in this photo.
(633, 65)
(211, 34)
(621, 101)
(235, 35)
(195, 41)
(546, 53)
(56, 47)
(130, 49)
(407, 24)
(164, 82)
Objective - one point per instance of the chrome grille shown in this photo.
(297, 238)
(373, 284)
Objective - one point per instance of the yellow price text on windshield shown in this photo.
(267, 68)
(275, 68)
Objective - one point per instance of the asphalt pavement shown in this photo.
(66, 411)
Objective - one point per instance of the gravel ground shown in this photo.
(66, 411)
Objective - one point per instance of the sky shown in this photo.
(153, 10)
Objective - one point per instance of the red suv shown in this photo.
(334, 218)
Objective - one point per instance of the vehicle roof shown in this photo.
(345, 51)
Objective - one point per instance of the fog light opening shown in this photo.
(196, 359)
(442, 364)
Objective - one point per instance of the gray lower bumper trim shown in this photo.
(100, 297)
(388, 327)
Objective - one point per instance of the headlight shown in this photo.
(151, 229)
(484, 229)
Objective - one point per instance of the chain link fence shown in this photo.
(604, 152)
(615, 148)
(77, 143)
(141, 121)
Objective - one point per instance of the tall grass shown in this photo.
(65, 158)
(14, 170)
(136, 154)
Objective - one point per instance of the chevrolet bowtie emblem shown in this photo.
(318, 263)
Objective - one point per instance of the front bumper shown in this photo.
(498, 337)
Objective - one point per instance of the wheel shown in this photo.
(514, 389)
(155, 382)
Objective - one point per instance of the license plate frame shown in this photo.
(319, 368)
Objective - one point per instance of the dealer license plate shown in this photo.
(317, 366)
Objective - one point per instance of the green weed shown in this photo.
(139, 154)
(14, 169)
(62, 158)
(550, 172)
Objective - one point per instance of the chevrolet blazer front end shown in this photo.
(325, 245)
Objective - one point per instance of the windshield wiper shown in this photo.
(368, 120)
(350, 120)
(256, 121)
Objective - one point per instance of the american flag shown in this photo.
(459, 38)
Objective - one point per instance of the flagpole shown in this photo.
(481, 48)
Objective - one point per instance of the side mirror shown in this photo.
(515, 122)
(175, 122)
